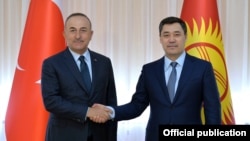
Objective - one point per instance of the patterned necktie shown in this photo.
(171, 81)
(85, 73)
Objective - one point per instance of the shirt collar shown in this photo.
(179, 60)
(86, 54)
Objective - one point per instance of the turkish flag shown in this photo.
(26, 118)
(205, 41)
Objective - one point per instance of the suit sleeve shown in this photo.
(138, 103)
(57, 99)
(212, 106)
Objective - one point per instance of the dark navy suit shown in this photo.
(67, 100)
(197, 86)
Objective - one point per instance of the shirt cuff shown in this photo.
(112, 114)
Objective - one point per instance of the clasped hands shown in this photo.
(99, 113)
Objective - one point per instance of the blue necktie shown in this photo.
(171, 81)
(85, 73)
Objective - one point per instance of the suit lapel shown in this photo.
(185, 75)
(161, 77)
(70, 62)
(94, 65)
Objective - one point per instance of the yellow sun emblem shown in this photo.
(205, 42)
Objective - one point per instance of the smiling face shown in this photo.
(78, 33)
(173, 40)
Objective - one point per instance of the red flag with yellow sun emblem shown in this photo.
(204, 40)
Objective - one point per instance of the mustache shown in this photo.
(78, 40)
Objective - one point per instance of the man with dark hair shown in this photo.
(72, 81)
(175, 87)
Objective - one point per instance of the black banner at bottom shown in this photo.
(199, 132)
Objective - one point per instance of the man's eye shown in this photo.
(165, 35)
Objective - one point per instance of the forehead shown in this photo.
(77, 21)
(175, 27)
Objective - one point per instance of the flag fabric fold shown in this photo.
(26, 118)
(205, 41)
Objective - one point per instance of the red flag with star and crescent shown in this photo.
(205, 41)
(26, 118)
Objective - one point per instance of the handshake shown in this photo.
(99, 113)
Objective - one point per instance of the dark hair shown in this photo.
(171, 20)
(78, 14)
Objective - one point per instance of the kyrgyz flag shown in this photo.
(26, 117)
(205, 41)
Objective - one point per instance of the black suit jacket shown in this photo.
(66, 99)
(197, 86)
